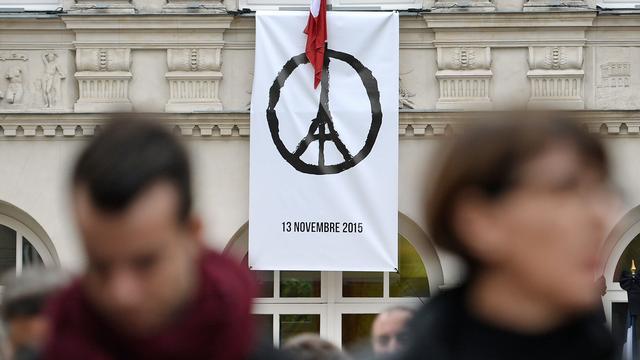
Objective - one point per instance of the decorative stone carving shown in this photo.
(14, 57)
(404, 97)
(15, 90)
(190, 6)
(464, 76)
(194, 80)
(33, 81)
(463, 5)
(615, 75)
(556, 77)
(250, 92)
(103, 80)
(616, 81)
(51, 80)
(104, 6)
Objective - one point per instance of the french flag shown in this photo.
(316, 31)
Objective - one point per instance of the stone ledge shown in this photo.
(413, 124)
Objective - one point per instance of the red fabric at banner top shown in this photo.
(316, 31)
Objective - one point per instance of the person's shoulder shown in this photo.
(71, 323)
(67, 301)
(431, 329)
(440, 308)
(228, 275)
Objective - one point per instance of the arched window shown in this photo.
(20, 247)
(622, 246)
(632, 252)
(341, 306)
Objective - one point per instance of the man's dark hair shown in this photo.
(129, 154)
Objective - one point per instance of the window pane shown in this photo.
(362, 284)
(632, 252)
(7, 248)
(356, 332)
(292, 325)
(299, 284)
(264, 279)
(265, 283)
(411, 280)
(30, 256)
(264, 326)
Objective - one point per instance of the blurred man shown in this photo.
(387, 332)
(23, 301)
(151, 289)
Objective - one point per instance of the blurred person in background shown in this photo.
(151, 289)
(388, 332)
(23, 310)
(312, 347)
(525, 201)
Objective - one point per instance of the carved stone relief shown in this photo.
(405, 96)
(617, 78)
(103, 80)
(615, 75)
(30, 85)
(464, 76)
(250, 92)
(556, 77)
(15, 89)
(51, 79)
(194, 79)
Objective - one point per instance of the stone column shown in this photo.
(556, 77)
(464, 76)
(103, 80)
(194, 79)
(191, 6)
(103, 6)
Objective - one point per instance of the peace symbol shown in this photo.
(323, 123)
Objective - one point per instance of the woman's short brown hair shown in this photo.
(487, 156)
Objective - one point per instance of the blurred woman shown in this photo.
(525, 202)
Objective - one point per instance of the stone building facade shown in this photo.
(65, 64)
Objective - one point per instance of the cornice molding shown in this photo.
(148, 22)
(414, 124)
(478, 20)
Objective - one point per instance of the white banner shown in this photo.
(324, 162)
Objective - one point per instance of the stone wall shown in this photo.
(62, 73)
(87, 61)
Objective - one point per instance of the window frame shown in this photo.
(22, 231)
(36, 5)
(331, 305)
(618, 5)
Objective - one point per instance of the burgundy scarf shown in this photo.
(217, 325)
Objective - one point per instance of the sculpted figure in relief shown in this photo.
(51, 79)
(404, 98)
(15, 90)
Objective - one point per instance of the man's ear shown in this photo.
(195, 229)
(474, 221)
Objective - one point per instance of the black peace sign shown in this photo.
(323, 121)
